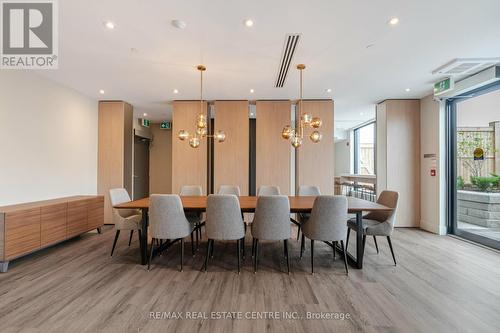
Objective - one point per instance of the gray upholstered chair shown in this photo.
(167, 221)
(230, 189)
(306, 191)
(234, 190)
(378, 223)
(124, 219)
(271, 222)
(327, 223)
(268, 190)
(224, 222)
(194, 217)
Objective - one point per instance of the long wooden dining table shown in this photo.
(298, 204)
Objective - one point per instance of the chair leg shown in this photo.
(238, 249)
(256, 256)
(243, 247)
(197, 233)
(298, 233)
(376, 245)
(287, 256)
(302, 245)
(182, 254)
(345, 256)
(364, 243)
(253, 247)
(209, 242)
(150, 253)
(192, 244)
(334, 246)
(130, 239)
(347, 239)
(312, 256)
(159, 250)
(139, 234)
(114, 243)
(212, 249)
(392, 250)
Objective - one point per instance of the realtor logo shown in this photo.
(29, 34)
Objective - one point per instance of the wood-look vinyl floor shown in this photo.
(441, 284)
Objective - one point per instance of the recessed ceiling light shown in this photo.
(101, 92)
(407, 89)
(110, 25)
(394, 21)
(144, 114)
(329, 90)
(176, 91)
(248, 23)
(179, 24)
(369, 45)
(252, 91)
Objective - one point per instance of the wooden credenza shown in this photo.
(25, 228)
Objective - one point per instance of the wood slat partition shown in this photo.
(231, 158)
(398, 156)
(189, 165)
(273, 154)
(315, 161)
(114, 163)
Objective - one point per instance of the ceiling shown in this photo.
(347, 46)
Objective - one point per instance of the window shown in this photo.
(364, 149)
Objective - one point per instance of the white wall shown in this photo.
(342, 157)
(432, 189)
(48, 139)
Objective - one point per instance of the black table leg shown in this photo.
(358, 261)
(359, 240)
(144, 236)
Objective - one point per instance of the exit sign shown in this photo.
(166, 125)
(443, 86)
(145, 122)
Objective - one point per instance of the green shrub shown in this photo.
(460, 183)
(485, 184)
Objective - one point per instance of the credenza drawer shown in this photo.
(95, 213)
(53, 219)
(77, 218)
(22, 232)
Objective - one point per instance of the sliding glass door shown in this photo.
(474, 165)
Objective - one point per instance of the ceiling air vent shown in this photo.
(291, 41)
(465, 66)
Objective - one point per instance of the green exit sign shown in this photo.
(166, 125)
(145, 122)
(443, 86)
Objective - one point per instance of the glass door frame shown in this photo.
(357, 146)
(451, 165)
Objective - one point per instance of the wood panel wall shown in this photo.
(315, 161)
(189, 165)
(398, 156)
(231, 158)
(273, 154)
(115, 143)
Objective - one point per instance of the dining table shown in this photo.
(298, 204)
